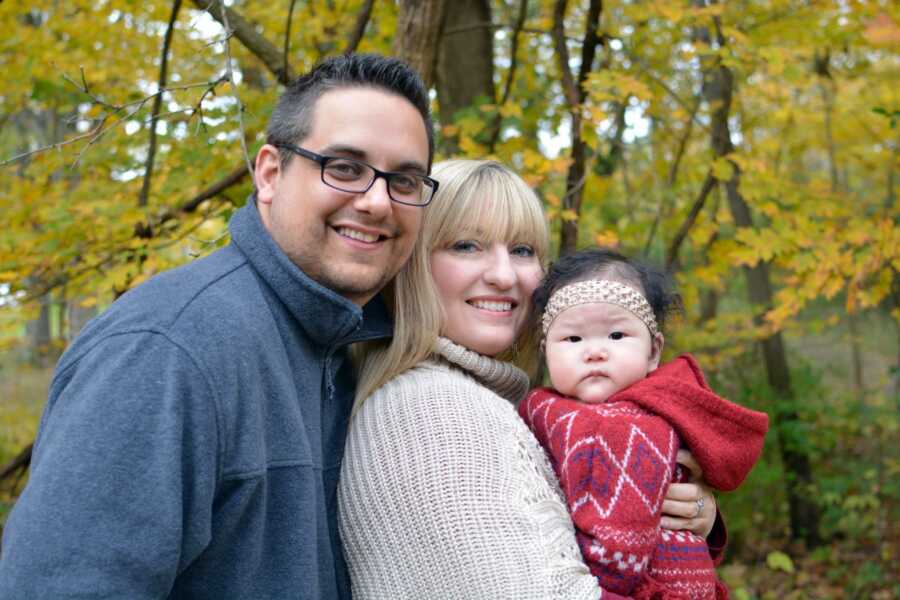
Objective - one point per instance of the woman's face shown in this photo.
(485, 290)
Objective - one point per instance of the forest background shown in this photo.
(749, 146)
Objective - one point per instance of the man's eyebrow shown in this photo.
(411, 165)
(354, 152)
(342, 149)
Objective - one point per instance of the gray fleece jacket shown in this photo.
(192, 439)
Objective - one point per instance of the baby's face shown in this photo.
(595, 350)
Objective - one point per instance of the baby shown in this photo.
(616, 418)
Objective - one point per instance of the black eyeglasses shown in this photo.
(355, 176)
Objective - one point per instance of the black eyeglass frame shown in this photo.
(322, 160)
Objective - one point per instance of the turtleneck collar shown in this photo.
(327, 318)
(504, 379)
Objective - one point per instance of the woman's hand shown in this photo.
(690, 506)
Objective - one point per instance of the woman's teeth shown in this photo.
(493, 306)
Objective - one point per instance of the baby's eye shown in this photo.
(464, 246)
(616, 335)
(573, 338)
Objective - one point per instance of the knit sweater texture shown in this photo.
(616, 459)
(445, 494)
(192, 439)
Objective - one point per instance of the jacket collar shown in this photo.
(328, 318)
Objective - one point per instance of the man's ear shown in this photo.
(266, 174)
(657, 344)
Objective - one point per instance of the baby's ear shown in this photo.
(657, 344)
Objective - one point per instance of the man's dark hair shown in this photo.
(602, 263)
(291, 121)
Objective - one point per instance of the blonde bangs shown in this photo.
(489, 203)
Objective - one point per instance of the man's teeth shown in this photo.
(357, 235)
(494, 306)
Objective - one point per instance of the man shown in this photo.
(193, 435)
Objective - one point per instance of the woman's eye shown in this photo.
(464, 246)
(616, 335)
(523, 250)
(573, 338)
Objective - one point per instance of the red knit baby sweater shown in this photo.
(615, 461)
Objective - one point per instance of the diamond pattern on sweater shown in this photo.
(642, 467)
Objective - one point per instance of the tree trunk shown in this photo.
(804, 512)
(418, 28)
(39, 334)
(77, 318)
(465, 63)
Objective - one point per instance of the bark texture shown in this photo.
(418, 29)
(804, 512)
(465, 63)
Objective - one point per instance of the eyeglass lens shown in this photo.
(352, 176)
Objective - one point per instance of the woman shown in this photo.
(444, 492)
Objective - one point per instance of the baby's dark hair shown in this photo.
(602, 263)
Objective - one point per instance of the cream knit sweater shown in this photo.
(445, 493)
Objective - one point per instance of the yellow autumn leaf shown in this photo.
(469, 146)
(608, 238)
(670, 11)
(511, 110)
(596, 114)
(722, 169)
(735, 34)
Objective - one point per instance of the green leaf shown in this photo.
(779, 561)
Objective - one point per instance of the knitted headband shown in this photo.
(599, 290)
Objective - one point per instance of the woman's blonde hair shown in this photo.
(481, 199)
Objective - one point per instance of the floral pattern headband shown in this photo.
(599, 290)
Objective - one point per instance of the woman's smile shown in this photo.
(484, 289)
(503, 306)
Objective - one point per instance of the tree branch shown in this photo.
(259, 46)
(146, 231)
(287, 36)
(157, 103)
(495, 25)
(229, 71)
(511, 73)
(362, 20)
(589, 46)
(574, 95)
(673, 174)
(18, 464)
(672, 255)
(101, 128)
(682, 144)
(236, 176)
(570, 90)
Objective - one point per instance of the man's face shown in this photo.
(352, 243)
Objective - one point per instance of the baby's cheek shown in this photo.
(560, 370)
